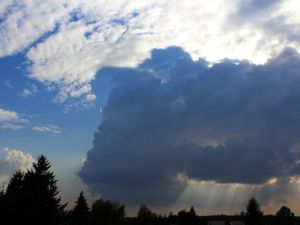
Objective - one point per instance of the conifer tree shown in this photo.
(14, 197)
(3, 205)
(192, 216)
(41, 195)
(254, 214)
(15, 184)
(80, 213)
(2, 192)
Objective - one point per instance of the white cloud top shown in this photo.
(66, 42)
(11, 160)
(11, 120)
(6, 115)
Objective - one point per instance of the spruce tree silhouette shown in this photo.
(3, 204)
(80, 213)
(14, 198)
(15, 185)
(192, 216)
(254, 215)
(43, 206)
(2, 196)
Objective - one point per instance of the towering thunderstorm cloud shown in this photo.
(172, 119)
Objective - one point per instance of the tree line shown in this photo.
(32, 198)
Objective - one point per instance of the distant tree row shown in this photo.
(102, 212)
(32, 198)
(254, 215)
(107, 213)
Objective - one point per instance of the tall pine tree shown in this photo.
(254, 215)
(43, 206)
(14, 198)
(80, 213)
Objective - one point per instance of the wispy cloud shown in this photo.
(11, 126)
(47, 128)
(28, 91)
(11, 120)
(8, 84)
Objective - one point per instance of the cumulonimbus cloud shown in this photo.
(233, 122)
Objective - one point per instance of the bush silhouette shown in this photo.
(107, 213)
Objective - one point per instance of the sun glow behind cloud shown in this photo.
(210, 197)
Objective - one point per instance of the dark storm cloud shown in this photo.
(233, 122)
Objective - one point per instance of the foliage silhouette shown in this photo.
(2, 201)
(145, 216)
(187, 217)
(285, 216)
(80, 213)
(254, 215)
(41, 195)
(31, 198)
(107, 213)
(14, 198)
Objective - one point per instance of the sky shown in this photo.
(167, 103)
